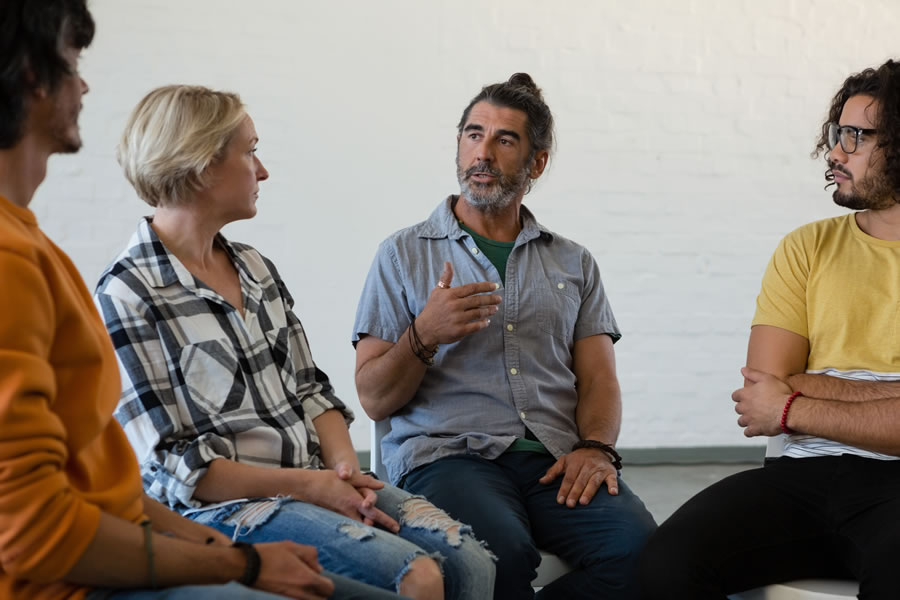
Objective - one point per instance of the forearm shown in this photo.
(388, 380)
(599, 412)
(117, 557)
(872, 425)
(169, 522)
(229, 480)
(334, 440)
(837, 388)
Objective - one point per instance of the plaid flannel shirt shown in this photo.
(200, 381)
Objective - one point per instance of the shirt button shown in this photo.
(522, 414)
(474, 250)
(560, 285)
(514, 371)
(510, 327)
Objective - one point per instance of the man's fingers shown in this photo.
(593, 484)
(578, 486)
(479, 287)
(553, 472)
(564, 487)
(612, 484)
(752, 374)
(309, 556)
(446, 277)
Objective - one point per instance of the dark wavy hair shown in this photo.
(32, 34)
(882, 84)
(522, 93)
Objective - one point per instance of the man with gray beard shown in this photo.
(487, 340)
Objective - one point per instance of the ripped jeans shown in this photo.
(368, 554)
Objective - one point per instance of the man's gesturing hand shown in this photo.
(760, 403)
(586, 469)
(452, 313)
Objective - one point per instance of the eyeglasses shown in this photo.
(847, 135)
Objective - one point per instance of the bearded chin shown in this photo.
(489, 201)
(851, 201)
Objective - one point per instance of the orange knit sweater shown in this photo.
(63, 458)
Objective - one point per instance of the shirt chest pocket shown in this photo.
(212, 376)
(557, 309)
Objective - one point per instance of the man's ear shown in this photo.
(31, 83)
(538, 164)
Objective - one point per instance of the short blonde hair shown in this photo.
(172, 136)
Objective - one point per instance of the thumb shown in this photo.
(752, 374)
(447, 274)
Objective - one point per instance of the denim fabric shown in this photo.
(486, 388)
(515, 514)
(344, 589)
(371, 554)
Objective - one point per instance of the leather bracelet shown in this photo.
(614, 456)
(254, 563)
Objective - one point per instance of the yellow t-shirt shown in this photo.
(840, 288)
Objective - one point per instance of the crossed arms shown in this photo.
(864, 414)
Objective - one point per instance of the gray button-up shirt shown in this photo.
(485, 389)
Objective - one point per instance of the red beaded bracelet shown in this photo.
(784, 413)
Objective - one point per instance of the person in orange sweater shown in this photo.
(74, 521)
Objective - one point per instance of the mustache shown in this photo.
(482, 167)
(832, 168)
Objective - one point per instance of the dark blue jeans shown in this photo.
(507, 508)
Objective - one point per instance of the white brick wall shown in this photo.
(684, 129)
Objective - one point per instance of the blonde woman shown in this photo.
(233, 424)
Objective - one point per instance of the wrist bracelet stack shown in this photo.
(254, 563)
(422, 352)
(614, 456)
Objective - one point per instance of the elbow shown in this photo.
(372, 408)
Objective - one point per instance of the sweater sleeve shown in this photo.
(173, 455)
(44, 525)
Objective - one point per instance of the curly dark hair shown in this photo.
(32, 35)
(522, 93)
(883, 85)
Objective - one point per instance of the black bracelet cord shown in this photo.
(254, 563)
(610, 451)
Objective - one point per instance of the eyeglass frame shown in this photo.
(858, 131)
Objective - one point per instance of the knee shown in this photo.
(423, 580)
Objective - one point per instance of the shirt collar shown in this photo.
(160, 268)
(443, 224)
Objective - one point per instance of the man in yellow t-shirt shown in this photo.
(823, 367)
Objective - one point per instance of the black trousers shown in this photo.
(826, 517)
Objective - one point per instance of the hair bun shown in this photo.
(524, 80)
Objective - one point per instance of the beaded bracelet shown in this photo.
(787, 406)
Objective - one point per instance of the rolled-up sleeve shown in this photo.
(313, 387)
(173, 458)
